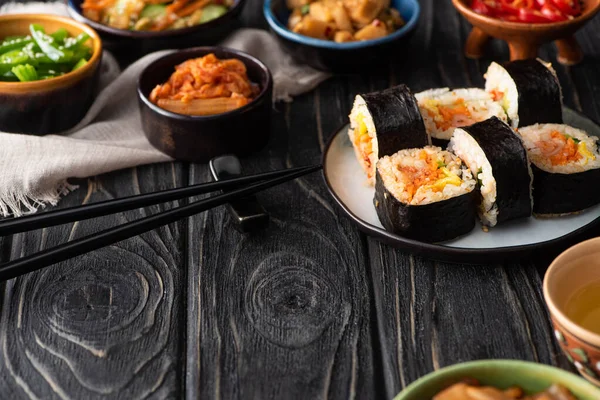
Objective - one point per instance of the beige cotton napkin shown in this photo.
(34, 170)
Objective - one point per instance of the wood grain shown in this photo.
(103, 325)
(283, 313)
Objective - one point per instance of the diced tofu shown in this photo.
(454, 392)
(485, 393)
(374, 30)
(343, 36)
(341, 18)
(320, 11)
(314, 28)
(362, 12)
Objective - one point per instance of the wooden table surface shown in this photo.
(309, 309)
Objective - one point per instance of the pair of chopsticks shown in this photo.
(239, 188)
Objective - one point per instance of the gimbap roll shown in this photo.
(443, 110)
(566, 168)
(528, 90)
(425, 194)
(498, 160)
(383, 123)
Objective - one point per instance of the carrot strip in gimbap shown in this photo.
(566, 168)
(383, 123)
(425, 194)
(445, 109)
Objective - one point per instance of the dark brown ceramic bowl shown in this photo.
(52, 105)
(199, 138)
(524, 39)
(134, 44)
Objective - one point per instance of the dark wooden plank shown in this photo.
(283, 313)
(106, 324)
(434, 314)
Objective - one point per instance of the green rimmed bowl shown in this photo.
(532, 377)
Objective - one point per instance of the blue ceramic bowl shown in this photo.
(348, 57)
(131, 45)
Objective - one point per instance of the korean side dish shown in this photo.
(205, 86)
(343, 20)
(471, 390)
(42, 55)
(528, 11)
(154, 15)
(441, 159)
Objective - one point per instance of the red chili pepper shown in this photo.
(532, 16)
(568, 7)
(509, 7)
(529, 11)
(552, 13)
(480, 7)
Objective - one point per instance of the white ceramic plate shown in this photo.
(347, 184)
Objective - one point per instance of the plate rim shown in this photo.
(447, 253)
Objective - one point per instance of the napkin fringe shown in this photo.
(18, 204)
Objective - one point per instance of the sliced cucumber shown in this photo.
(153, 10)
(212, 11)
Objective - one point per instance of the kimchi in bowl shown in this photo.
(241, 130)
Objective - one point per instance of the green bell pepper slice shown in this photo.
(46, 44)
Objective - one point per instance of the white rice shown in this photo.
(360, 109)
(497, 78)
(394, 179)
(478, 102)
(467, 148)
(534, 134)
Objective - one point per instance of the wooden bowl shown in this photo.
(52, 105)
(525, 39)
(568, 273)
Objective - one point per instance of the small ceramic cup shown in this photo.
(569, 272)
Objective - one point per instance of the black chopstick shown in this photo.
(79, 213)
(107, 237)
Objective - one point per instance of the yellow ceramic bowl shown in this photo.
(570, 271)
(51, 105)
